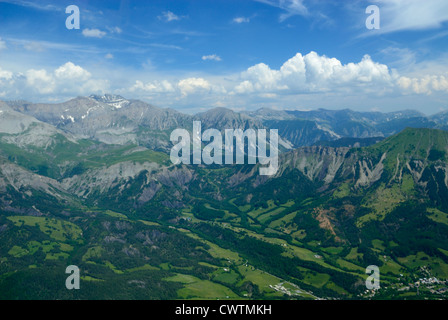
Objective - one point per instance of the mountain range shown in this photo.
(113, 119)
(89, 182)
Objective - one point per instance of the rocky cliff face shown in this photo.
(109, 119)
(317, 163)
(19, 179)
(106, 178)
(413, 160)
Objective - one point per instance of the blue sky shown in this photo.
(241, 54)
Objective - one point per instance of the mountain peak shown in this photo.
(417, 143)
(110, 99)
(106, 97)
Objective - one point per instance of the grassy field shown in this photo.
(333, 250)
(378, 245)
(262, 279)
(195, 288)
(390, 199)
(348, 265)
(354, 255)
(225, 275)
(119, 154)
(342, 191)
(268, 215)
(93, 252)
(255, 213)
(18, 252)
(248, 273)
(216, 251)
(113, 268)
(56, 229)
(315, 279)
(143, 268)
(115, 214)
(282, 221)
(438, 216)
(392, 267)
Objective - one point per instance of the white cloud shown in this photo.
(291, 7)
(6, 80)
(40, 80)
(399, 15)
(244, 87)
(262, 78)
(109, 56)
(424, 85)
(70, 71)
(93, 33)
(193, 85)
(4, 74)
(67, 80)
(169, 16)
(211, 57)
(241, 20)
(75, 80)
(8, 83)
(163, 86)
(313, 73)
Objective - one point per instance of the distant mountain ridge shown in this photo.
(116, 120)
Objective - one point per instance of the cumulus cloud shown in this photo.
(211, 57)
(424, 85)
(93, 33)
(66, 80)
(313, 73)
(70, 71)
(244, 87)
(40, 80)
(4, 74)
(193, 85)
